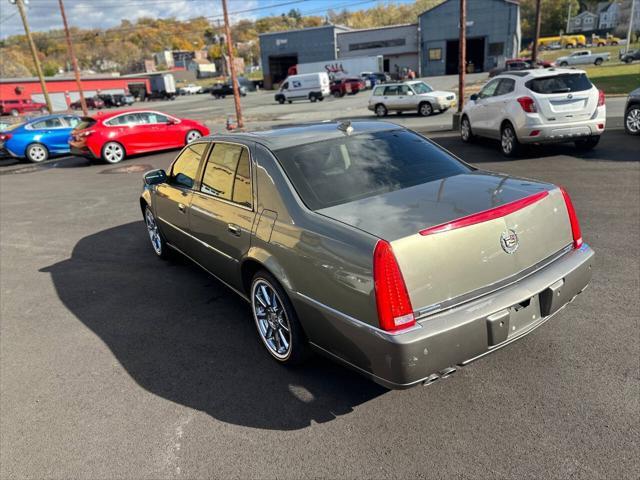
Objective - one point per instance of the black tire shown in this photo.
(312, 97)
(586, 144)
(280, 100)
(628, 60)
(289, 101)
(381, 110)
(598, 61)
(466, 134)
(337, 94)
(299, 349)
(320, 98)
(36, 153)
(632, 120)
(425, 109)
(158, 242)
(110, 153)
(509, 144)
(564, 64)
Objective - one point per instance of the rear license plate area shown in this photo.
(524, 314)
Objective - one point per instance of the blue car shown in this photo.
(40, 138)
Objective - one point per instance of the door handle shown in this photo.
(182, 207)
(234, 229)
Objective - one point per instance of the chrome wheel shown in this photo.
(465, 130)
(632, 120)
(37, 153)
(113, 152)
(193, 135)
(154, 233)
(271, 319)
(508, 140)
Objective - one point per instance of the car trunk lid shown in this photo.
(567, 97)
(515, 226)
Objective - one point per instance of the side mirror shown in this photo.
(474, 97)
(155, 177)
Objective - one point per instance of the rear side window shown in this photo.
(563, 83)
(45, 124)
(506, 85)
(392, 91)
(185, 168)
(227, 174)
(338, 171)
(379, 91)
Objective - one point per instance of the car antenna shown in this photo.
(346, 127)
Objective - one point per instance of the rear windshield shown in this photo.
(338, 171)
(85, 122)
(563, 83)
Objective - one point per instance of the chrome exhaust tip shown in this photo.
(434, 377)
(447, 372)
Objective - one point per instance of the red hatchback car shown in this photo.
(114, 136)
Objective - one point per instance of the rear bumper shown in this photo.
(456, 336)
(567, 132)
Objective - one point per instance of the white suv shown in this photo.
(415, 95)
(536, 106)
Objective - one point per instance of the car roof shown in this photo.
(104, 116)
(292, 136)
(539, 72)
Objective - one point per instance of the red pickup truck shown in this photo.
(342, 86)
(22, 105)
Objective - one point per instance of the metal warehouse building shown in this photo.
(493, 34)
(281, 50)
(398, 45)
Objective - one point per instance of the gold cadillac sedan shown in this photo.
(370, 244)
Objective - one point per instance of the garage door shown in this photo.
(57, 101)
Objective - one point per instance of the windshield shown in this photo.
(338, 171)
(421, 87)
(563, 83)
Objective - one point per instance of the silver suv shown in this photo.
(536, 106)
(406, 96)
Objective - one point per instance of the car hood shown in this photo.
(438, 94)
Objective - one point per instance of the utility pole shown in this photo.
(462, 54)
(633, 3)
(34, 52)
(232, 66)
(74, 60)
(534, 50)
(568, 18)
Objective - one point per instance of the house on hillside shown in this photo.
(608, 15)
(202, 68)
(584, 22)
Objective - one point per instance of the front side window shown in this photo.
(185, 168)
(153, 117)
(128, 119)
(338, 171)
(227, 174)
(489, 89)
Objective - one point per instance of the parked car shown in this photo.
(39, 138)
(94, 103)
(536, 106)
(190, 89)
(630, 56)
(346, 86)
(374, 78)
(221, 90)
(369, 243)
(517, 64)
(21, 106)
(583, 57)
(406, 96)
(114, 136)
(115, 99)
(632, 113)
(307, 86)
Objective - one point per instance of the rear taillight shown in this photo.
(527, 104)
(600, 98)
(394, 306)
(5, 136)
(573, 219)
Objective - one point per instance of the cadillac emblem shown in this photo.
(509, 241)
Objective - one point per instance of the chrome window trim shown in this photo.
(424, 312)
(224, 200)
(197, 240)
(355, 321)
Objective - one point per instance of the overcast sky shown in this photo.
(44, 14)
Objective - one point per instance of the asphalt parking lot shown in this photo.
(115, 364)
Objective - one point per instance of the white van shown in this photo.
(311, 86)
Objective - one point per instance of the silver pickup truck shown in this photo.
(583, 57)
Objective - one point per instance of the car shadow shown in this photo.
(184, 336)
